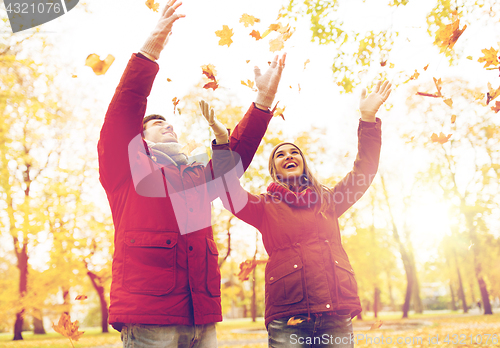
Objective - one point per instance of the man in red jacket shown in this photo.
(165, 289)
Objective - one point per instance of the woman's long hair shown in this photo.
(307, 179)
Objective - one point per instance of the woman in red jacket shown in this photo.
(311, 291)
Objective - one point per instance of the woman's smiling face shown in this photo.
(288, 163)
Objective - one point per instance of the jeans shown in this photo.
(320, 331)
(169, 336)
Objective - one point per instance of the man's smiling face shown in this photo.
(159, 131)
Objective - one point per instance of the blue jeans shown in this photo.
(169, 336)
(320, 331)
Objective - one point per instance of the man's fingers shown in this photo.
(363, 94)
(257, 72)
(282, 60)
(171, 9)
(377, 87)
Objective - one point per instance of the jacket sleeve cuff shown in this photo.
(366, 124)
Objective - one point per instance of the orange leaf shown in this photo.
(209, 71)
(248, 20)
(248, 61)
(447, 36)
(376, 325)
(175, 101)
(453, 118)
(214, 85)
(81, 297)
(225, 36)
(490, 57)
(306, 62)
(169, 80)
(292, 321)
(99, 66)
(246, 267)
(425, 67)
(276, 44)
(415, 75)
(496, 108)
(437, 82)
(68, 329)
(255, 34)
(441, 138)
(152, 5)
(448, 102)
(383, 63)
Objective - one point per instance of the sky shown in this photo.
(121, 27)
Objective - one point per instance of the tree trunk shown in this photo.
(22, 264)
(221, 262)
(453, 301)
(97, 283)
(376, 301)
(461, 293)
(38, 328)
(254, 297)
(417, 301)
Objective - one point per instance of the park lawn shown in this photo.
(439, 334)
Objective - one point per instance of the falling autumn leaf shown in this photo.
(175, 101)
(225, 36)
(437, 82)
(346, 154)
(425, 67)
(248, 61)
(391, 65)
(169, 80)
(214, 85)
(249, 84)
(276, 111)
(68, 329)
(276, 44)
(298, 86)
(496, 108)
(490, 57)
(453, 118)
(383, 63)
(447, 35)
(492, 93)
(81, 297)
(246, 267)
(152, 5)
(376, 325)
(448, 102)
(99, 66)
(305, 63)
(255, 34)
(74, 76)
(415, 75)
(248, 20)
(441, 138)
(292, 321)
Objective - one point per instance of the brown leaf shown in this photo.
(225, 36)
(376, 325)
(152, 5)
(248, 20)
(214, 85)
(99, 66)
(441, 138)
(292, 321)
(255, 34)
(496, 108)
(81, 298)
(492, 93)
(433, 95)
(383, 63)
(246, 267)
(68, 329)
(209, 71)
(490, 57)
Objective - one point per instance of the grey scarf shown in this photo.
(168, 153)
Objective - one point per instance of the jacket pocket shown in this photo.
(149, 262)
(347, 283)
(213, 271)
(285, 282)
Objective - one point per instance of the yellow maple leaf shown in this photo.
(225, 36)
(99, 66)
(255, 34)
(292, 321)
(490, 57)
(68, 329)
(376, 325)
(276, 44)
(276, 111)
(249, 84)
(441, 138)
(248, 20)
(152, 5)
(447, 35)
(448, 102)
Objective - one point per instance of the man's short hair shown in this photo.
(149, 118)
